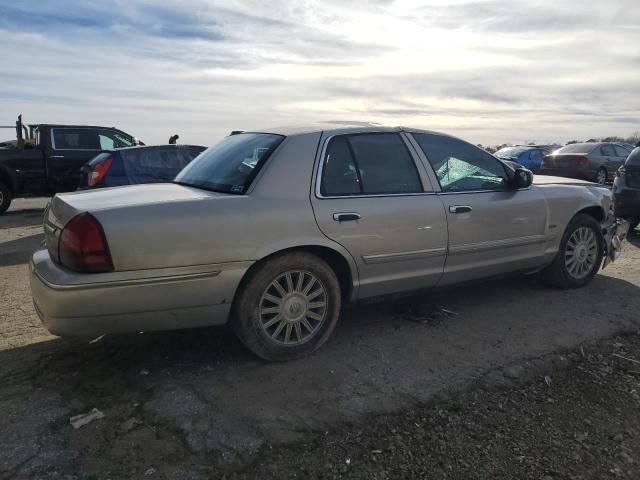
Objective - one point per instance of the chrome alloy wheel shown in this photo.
(601, 177)
(581, 252)
(293, 307)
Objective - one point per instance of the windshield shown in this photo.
(230, 165)
(576, 148)
(509, 152)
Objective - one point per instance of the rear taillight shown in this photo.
(99, 171)
(581, 161)
(547, 161)
(83, 246)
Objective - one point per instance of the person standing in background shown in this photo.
(173, 139)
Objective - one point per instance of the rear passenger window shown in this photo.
(75, 139)
(368, 164)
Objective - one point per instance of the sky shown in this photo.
(488, 71)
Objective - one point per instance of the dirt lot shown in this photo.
(499, 387)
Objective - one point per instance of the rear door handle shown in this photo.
(459, 209)
(346, 216)
(56, 156)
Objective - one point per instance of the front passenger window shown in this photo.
(460, 166)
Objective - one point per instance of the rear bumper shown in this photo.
(71, 304)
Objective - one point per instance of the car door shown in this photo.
(621, 155)
(70, 149)
(374, 199)
(535, 159)
(493, 229)
(608, 158)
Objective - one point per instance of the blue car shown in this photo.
(528, 156)
(130, 166)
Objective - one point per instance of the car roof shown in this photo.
(161, 145)
(338, 127)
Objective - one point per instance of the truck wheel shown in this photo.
(288, 307)
(5, 197)
(579, 256)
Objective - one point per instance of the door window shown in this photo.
(536, 155)
(368, 164)
(607, 151)
(460, 166)
(110, 140)
(75, 139)
(621, 151)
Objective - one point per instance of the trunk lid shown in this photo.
(63, 207)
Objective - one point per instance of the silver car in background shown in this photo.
(594, 161)
(273, 230)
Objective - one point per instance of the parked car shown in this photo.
(626, 189)
(46, 159)
(130, 166)
(528, 156)
(594, 161)
(272, 231)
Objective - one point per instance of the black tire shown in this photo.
(606, 176)
(557, 274)
(633, 223)
(248, 318)
(5, 198)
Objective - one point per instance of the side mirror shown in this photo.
(522, 178)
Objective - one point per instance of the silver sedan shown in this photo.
(273, 230)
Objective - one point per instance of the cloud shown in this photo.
(487, 70)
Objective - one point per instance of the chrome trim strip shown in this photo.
(125, 283)
(413, 255)
(495, 244)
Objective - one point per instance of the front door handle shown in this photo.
(56, 156)
(346, 216)
(459, 209)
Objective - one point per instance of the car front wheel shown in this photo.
(288, 307)
(580, 254)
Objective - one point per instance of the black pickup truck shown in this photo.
(45, 159)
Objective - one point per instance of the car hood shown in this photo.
(551, 180)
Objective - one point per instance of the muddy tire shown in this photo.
(5, 198)
(580, 254)
(288, 306)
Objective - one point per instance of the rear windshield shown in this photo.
(230, 165)
(576, 148)
(634, 158)
(510, 151)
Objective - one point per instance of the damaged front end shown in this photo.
(615, 232)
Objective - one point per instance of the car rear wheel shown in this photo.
(633, 223)
(580, 254)
(288, 307)
(5, 198)
(601, 176)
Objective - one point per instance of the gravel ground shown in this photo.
(446, 384)
(565, 416)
